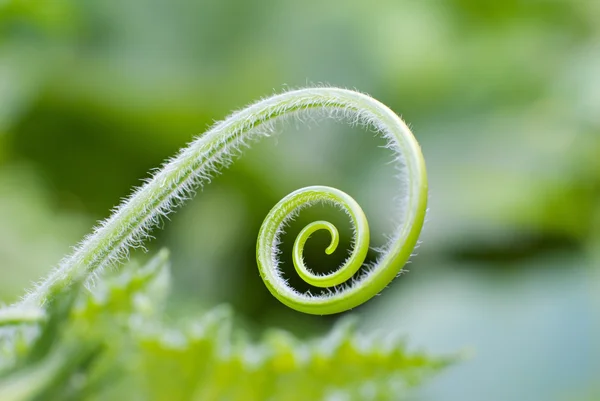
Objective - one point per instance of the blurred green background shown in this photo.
(503, 96)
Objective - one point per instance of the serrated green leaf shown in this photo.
(212, 366)
(111, 343)
(135, 290)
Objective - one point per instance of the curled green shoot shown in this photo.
(193, 167)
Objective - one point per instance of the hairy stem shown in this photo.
(193, 166)
(21, 315)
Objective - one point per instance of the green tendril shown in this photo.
(193, 167)
(268, 238)
(14, 315)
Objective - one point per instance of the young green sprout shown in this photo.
(194, 165)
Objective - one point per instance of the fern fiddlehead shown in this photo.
(193, 166)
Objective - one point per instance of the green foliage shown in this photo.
(71, 340)
(113, 343)
(504, 99)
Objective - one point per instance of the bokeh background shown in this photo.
(504, 97)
